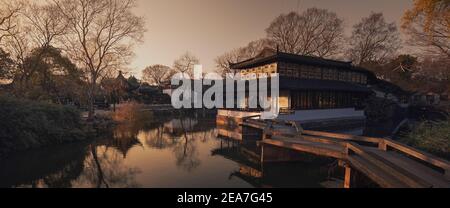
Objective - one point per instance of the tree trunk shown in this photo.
(91, 98)
(91, 110)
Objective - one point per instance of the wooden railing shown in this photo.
(388, 144)
(382, 143)
(359, 151)
(407, 177)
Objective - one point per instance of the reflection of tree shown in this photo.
(105, 168)
(64, 178)
(100, 174)
(157, 138)
(101, 163)
(181, 136)
(186, 154)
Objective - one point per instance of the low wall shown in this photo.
(236, 113)
(304, 115)
(330, 119)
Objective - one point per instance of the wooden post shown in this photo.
(262, 153)
(348, 176)
(264, 136)
(342, 163)
(382, 145)
(347, 149)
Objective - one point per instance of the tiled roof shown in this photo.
(268, 58)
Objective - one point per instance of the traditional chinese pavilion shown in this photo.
(311, 89)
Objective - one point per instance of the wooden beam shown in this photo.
(348, 176)
(343, 136)
(444, 164)
(308, 147)
(320, 140)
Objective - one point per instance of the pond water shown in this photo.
(163, 152)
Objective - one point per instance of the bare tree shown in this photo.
(223, 61)
(44, 24)
(254, 48)
(428, 26)
(315, 32)
(240, 54)
(35, 31)
(9, 20)
(6, 66)
(373, 40)
(18, 43)
(100, 37)
(157, 74)
(186, 63)
(436, 67)
(8, 14)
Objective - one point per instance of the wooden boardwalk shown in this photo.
(388, 163)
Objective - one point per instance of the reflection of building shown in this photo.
(311, 89)
(258, 174)
(123, 145)
(250, 169)
(123, 139)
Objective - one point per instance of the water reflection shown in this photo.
(46, 167)
(180, 151)
(309, 172)
(106, 169)
(181, 136)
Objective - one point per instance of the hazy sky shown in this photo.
(208, 28)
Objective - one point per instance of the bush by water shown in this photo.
(26, 124)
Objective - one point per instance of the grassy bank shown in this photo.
(28, 124)
(432, 137)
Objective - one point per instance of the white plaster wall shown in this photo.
(305, 115)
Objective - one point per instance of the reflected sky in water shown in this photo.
(175, 152)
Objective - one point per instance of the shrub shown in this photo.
(28, 124)
(433, 137)
(379, 109)
(127, 112)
